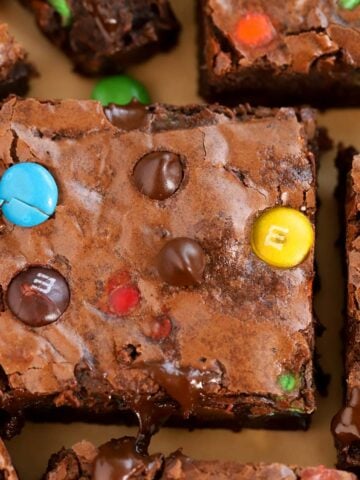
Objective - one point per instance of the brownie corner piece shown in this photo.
(346, 423)
(280, 54)
(15, 70)
(104, 37)
(146, 293)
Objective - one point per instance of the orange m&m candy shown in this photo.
(255, 30)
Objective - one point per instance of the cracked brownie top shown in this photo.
(151, 236)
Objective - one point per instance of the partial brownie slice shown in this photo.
(105, 36)
(142, 293)
(116, 459)
(280, 53)
(7, 471)
(181, 467)
(15, 70)
(346, 424)
(119, 459)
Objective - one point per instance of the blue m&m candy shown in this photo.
(28, 194)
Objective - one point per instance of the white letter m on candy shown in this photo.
(276, 237)
(43, 283)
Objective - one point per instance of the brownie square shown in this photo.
(15, 70)
(85, 461)
(142, 293)
(105, 36)
(346, 424)
(273, 52)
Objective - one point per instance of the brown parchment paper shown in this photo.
(173, 78)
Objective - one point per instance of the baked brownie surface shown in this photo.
(170, 311)
(84, 461)
(104, 36)
(346, 424)
(14, 67)
(7, 471)
(276, 52)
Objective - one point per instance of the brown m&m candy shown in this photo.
(158, 175)
(181, 262)
(38, 296)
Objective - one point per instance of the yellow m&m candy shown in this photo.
(282, 237)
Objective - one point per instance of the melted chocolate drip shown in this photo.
(181, 262)
(119, 460)
(127, 117)
(346, 424)
(187, 388)
(158, 175)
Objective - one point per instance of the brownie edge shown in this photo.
(346, 423)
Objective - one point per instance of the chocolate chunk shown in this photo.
(127, 117)
(159, 174)
(118, 459)
(38, 296)
(181, 262)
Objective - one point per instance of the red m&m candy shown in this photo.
(255, 30)
(123, 299)
(160, 328)
(122, 294)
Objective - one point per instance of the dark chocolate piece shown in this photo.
(118, 459)
(78, 463)
(38, 296)
(130, 343)
(181, 262)
(105, 36)
(15, 70)
(159, 174)
(268, 52)
(127, 117)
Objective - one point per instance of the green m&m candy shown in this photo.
(287, 382)
(63, 9)
(120, 89)
(349, 4)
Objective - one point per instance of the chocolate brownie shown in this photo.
(105, 36)
(15, 70)
(119, 459)
(346, 424)
(7, 471)
(273, 52)
(142, 292)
